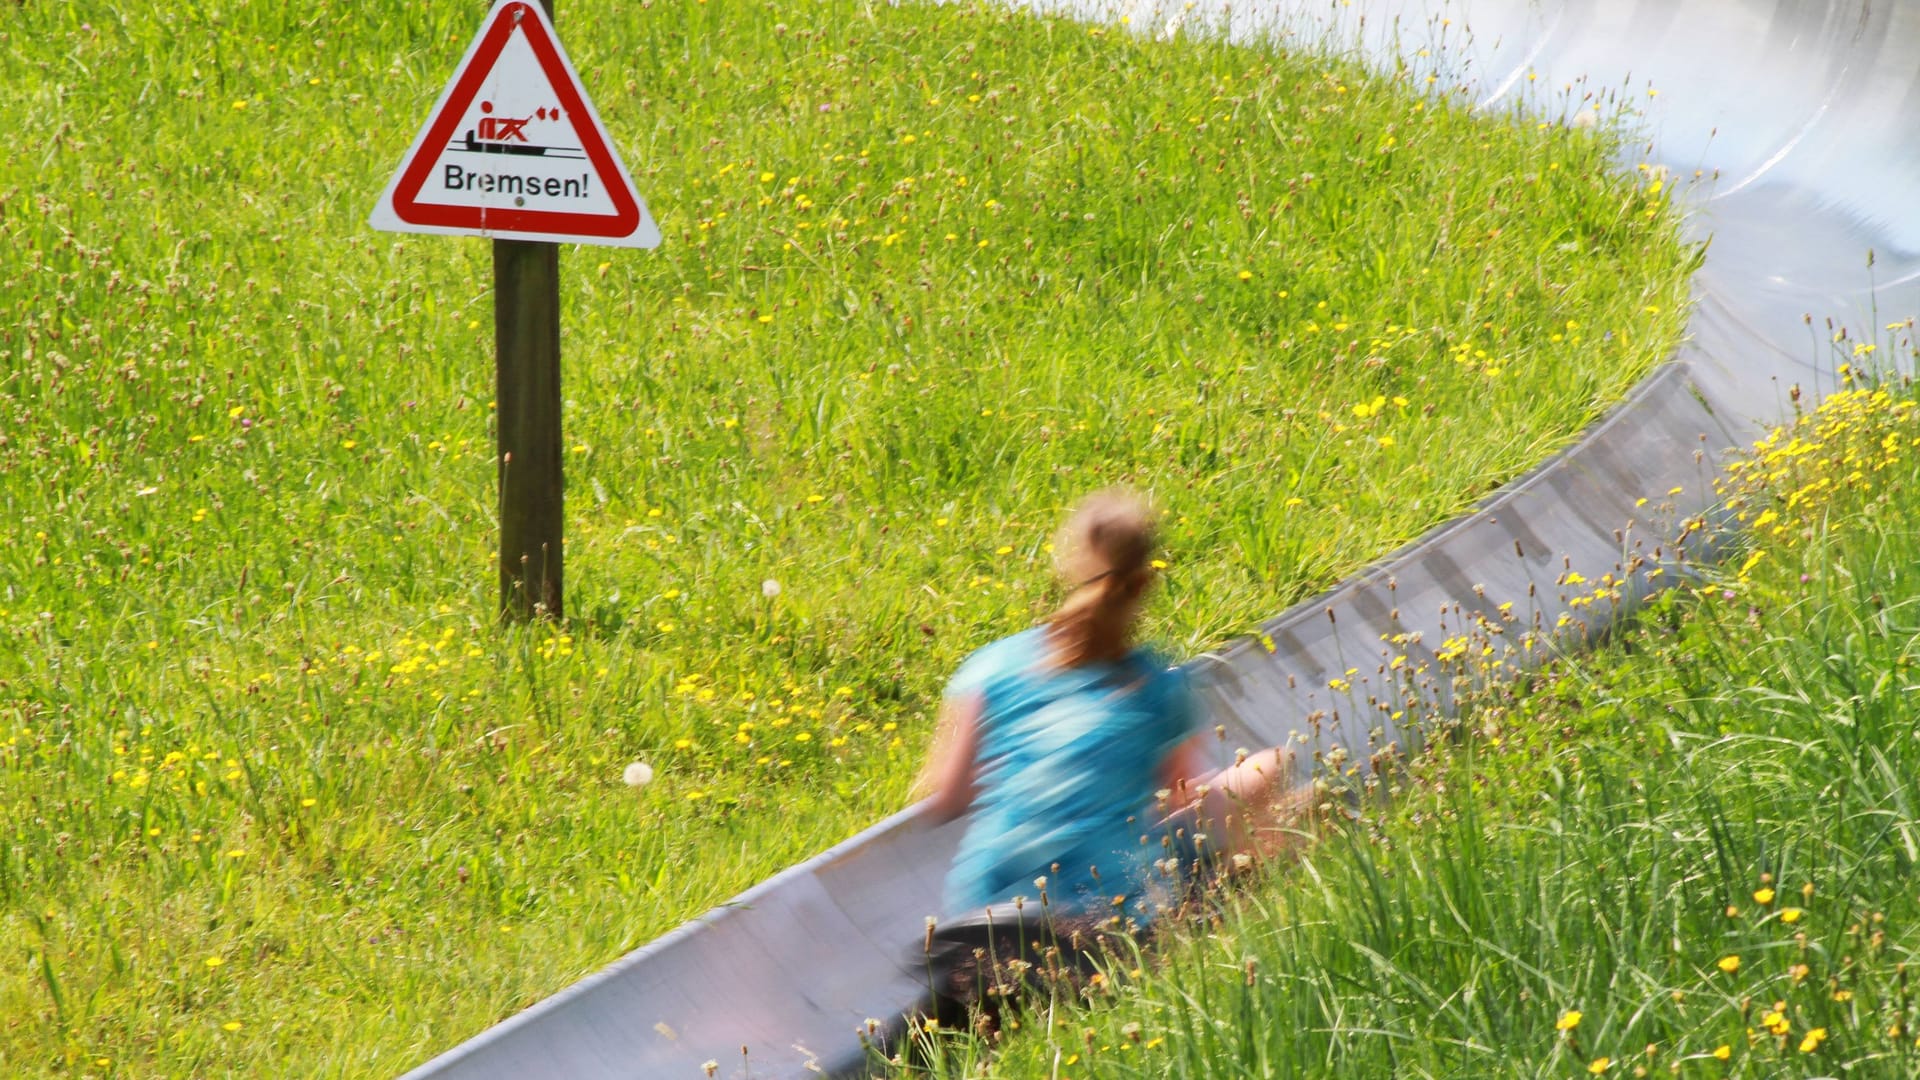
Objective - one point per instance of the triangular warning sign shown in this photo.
(514, 149)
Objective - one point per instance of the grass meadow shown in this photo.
(1689, 853)
(278, 793)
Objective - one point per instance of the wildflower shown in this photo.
(1568, 1020)
(1600, 1065)
(769, 588)
(1729, 964)
(1790, 915)
(638, 774)
(1723, 1052)
(1813, 1040)
(214, 962)
(1763, 895)
(231, 1025)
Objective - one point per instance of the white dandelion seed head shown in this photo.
(637, 775)
(769, 588)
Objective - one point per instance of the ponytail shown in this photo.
(1104, 552)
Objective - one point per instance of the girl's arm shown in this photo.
(1184, 769)
(948, 778)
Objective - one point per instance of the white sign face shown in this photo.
(514, 149)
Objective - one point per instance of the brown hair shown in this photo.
(1103, 558)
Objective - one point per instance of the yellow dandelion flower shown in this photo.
(1568, 1020)
(1723, 1052)
(1764, 894)
(1729, 964)
(1600, 1065)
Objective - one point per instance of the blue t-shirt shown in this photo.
(1066, 766)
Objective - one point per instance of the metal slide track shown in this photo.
(1809, 112)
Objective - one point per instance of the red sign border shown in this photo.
(466, 87)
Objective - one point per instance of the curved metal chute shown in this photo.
(1803, 118)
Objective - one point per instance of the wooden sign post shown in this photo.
(526, 348)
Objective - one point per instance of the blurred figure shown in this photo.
(1079, 752)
